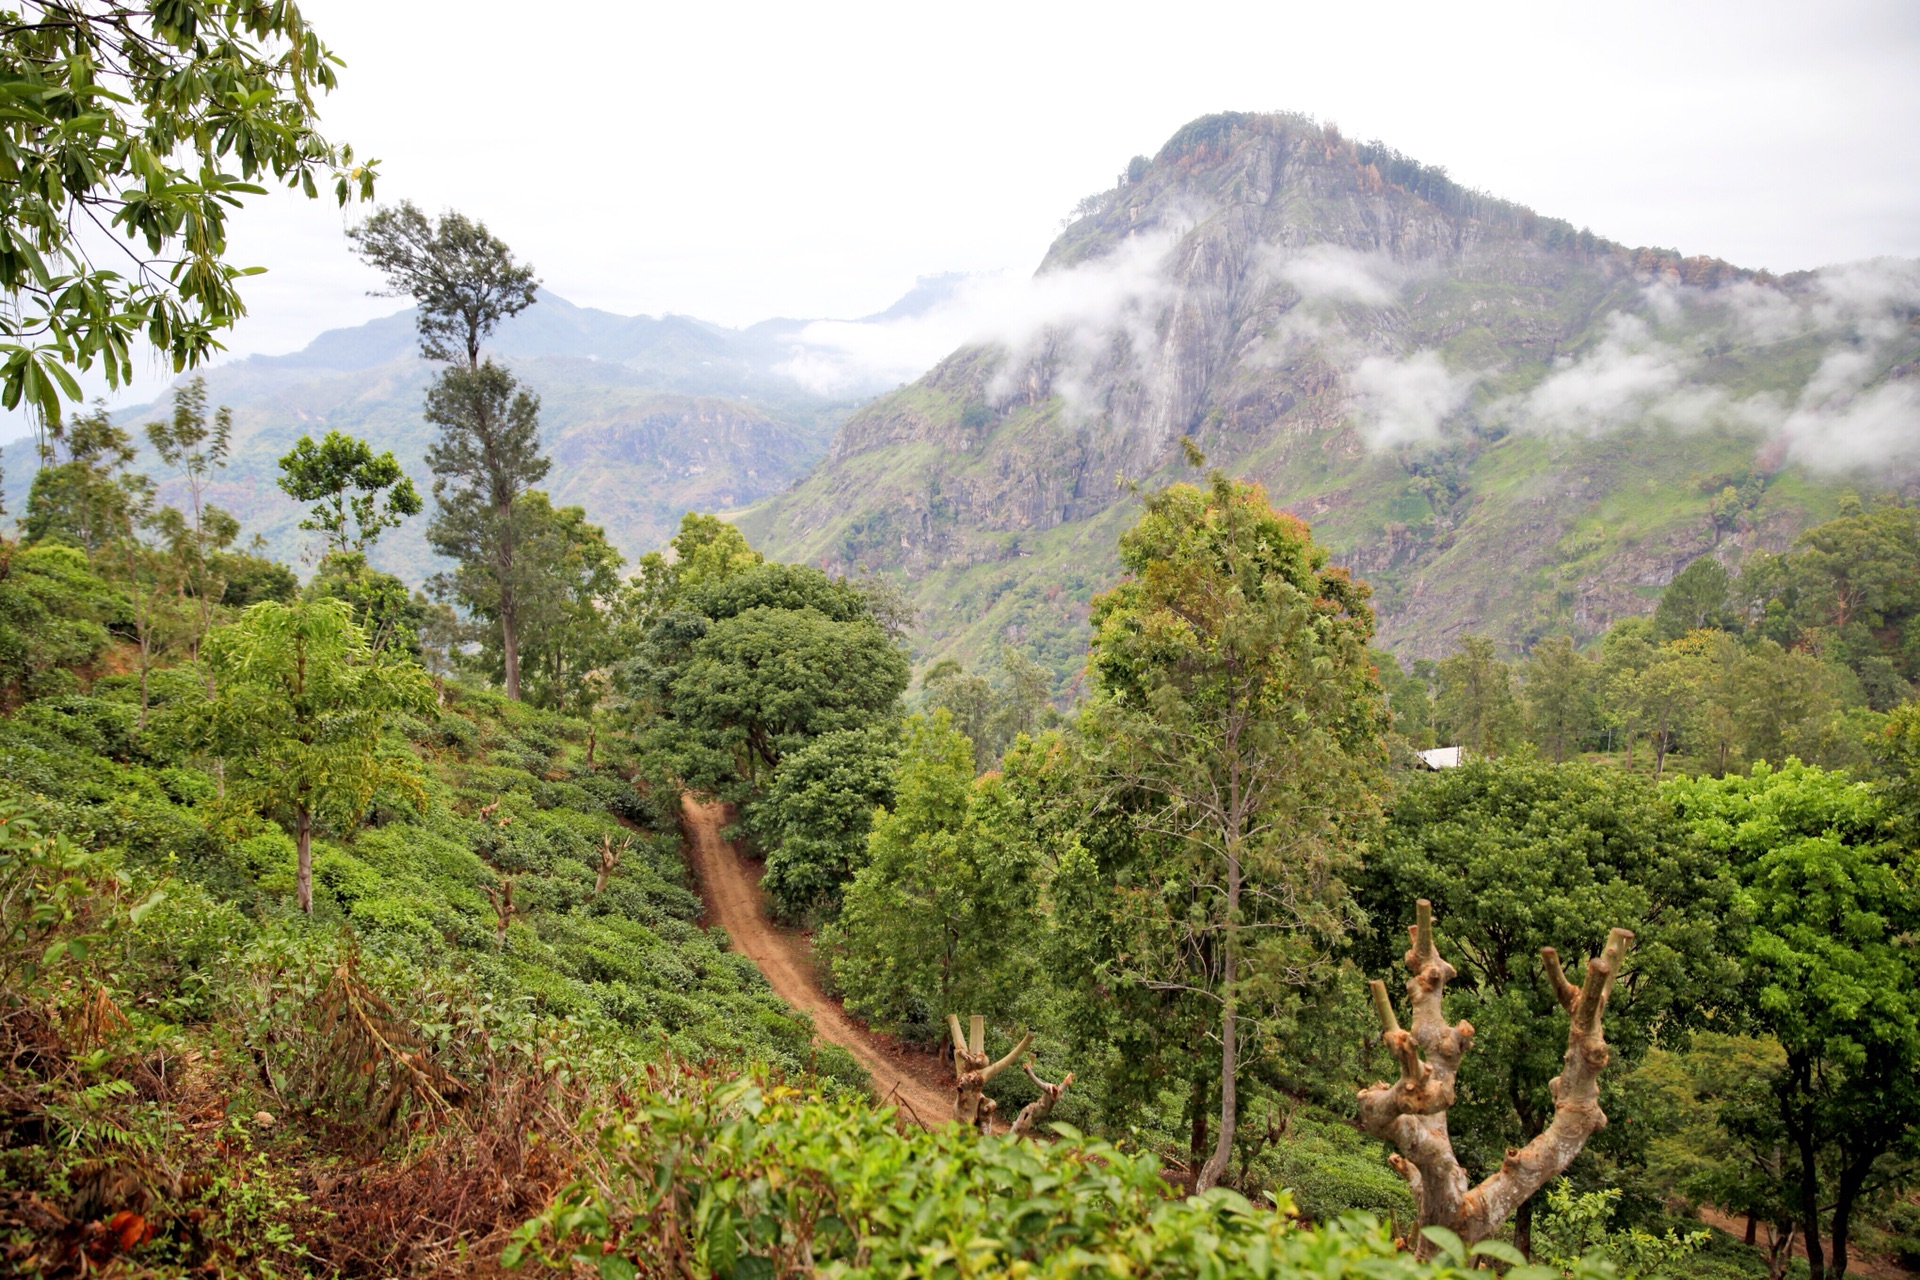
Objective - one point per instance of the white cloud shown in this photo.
(1835, 422)
(1880, 428)
(1405, 401)
(1873, 299)
(1080, 309)
(1620, 381)
(1331, 273)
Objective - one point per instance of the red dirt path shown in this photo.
(730, 887)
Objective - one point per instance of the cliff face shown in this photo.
(1507, 425)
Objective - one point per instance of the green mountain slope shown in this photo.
(1507, 425)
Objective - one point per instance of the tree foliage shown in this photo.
(1829, 971)
(344, 480)
(462, 278)
(816, 816)
(942, 917)
(1239, 721)
(297, 717)
(1475, 704)
(126, 135)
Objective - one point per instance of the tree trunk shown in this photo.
(303, 842)
(509, 607)
(971, 1071)
(1753, 1230)
(510, 650)
(1810, 1207)
(1216, 1165)
(1197, 1136)
(1411, 1113)
(1035, 1113)
(1523, 1228)
(1852, 1178)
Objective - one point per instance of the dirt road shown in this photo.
(731, 890)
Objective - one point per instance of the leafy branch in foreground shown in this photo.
(749, 1178)
(127, 133)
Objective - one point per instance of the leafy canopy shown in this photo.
(301, 704)
(462, 278)
(343, 479)
(1829, 970)
(943, 917)
(1240, 723)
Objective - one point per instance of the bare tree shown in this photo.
(609, 861)
(1035, 1113)
(1411, 1112)
(971, 1071)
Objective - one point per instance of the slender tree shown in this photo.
(196, 447)
(344, 480)
(301, 703)
(1240, 722)
(464, 282)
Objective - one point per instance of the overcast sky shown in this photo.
(740, 161)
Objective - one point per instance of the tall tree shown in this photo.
(967, 699)
(148, 122)
(1786, 700)
(486, 460)
(1666, 697)
(343, 478)
(461, 277)
(1021, 699)
(298, 716)
(464, 282)
(1239, 719)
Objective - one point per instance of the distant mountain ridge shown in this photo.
(645, 417)
(1508, 425)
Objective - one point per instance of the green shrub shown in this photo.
(1331, 1169)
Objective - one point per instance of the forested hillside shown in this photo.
(1510, 426)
